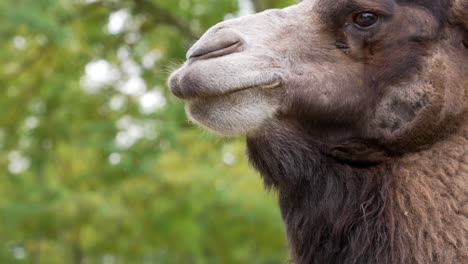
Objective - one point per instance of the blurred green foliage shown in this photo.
(98, 163)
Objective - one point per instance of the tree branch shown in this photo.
(160, 15)
(258, 5)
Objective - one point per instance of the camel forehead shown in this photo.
(334, 4)
(382, 5)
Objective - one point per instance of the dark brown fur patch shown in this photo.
(382, 214)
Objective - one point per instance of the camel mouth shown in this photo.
(270, 85)
(265, 86)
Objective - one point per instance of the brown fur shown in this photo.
(363, 132)
(410, 209)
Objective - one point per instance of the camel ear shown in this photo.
(459, 13)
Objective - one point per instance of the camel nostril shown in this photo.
(215, 45)
(207, 53)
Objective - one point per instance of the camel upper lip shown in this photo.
(191, 82)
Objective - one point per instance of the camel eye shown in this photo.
(365, 20)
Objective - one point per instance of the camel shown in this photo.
(355, 113)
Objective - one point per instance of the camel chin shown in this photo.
(233, 114)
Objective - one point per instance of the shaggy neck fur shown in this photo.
(410, 209)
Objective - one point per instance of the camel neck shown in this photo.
(335, 213)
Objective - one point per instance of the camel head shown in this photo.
(387, 71)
